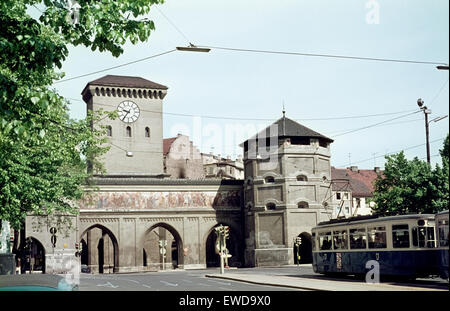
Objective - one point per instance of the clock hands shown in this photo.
(128, 111)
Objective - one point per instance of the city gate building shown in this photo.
(138, 219)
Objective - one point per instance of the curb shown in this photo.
(262, 283)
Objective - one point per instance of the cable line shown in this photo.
(262, 119)
(389, 153)
(114, 67)
(323, 55)
(372, 125)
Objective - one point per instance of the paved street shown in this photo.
(176, 280)
(286, 278)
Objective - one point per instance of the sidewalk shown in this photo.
(311, 283)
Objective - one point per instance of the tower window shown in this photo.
(128, 131)
(303, 205)
(302, 178)
(270, 180)
(147, 132)
(271, 206)
(109, 130)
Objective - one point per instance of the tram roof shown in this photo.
(371, 218)
(442, 213)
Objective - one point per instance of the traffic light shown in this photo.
(53, 237)
(226, 232)
(78, 249)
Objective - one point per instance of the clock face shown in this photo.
(128, 111)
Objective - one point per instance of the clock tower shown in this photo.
(136, 136)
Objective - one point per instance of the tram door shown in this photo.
(303, 252)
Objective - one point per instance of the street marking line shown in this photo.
(169, 284)
(108, 284)
(203, 284)
(132, 281)
(145, 285)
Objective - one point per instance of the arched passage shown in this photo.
(162, 243)
(304, 250)
(212, 258)
(34, 259)
(100, 250)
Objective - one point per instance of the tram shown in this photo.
(404, 246)
(441, 221)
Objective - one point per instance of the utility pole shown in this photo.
(426, 111)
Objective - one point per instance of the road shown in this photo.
(175, 280)
(196, 280)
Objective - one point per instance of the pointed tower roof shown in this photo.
(289, 128)
(127, 81)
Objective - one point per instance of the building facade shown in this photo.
(353, 190)
(142, 216)
(181, 158)
(285, 192)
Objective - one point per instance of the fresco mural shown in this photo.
(162, 200)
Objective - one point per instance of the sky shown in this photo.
(216, 91)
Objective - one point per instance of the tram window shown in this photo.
(313, 241)
(443, 233)
(377, 237)
(340, 239)
(325, 241)
(358, 239)
(423, 237)
(431, 241)
(400, 236)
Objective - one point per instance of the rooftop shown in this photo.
(360, 181)
(289, 128)
(127, 81)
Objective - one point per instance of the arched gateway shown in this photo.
(134, 221)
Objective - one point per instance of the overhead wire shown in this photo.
(115, 67)
(263, 119)
(389, 153)
(324, 55)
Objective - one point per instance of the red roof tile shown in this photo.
(361, 181)
(167, 143)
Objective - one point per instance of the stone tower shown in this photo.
(136, 137)
(287, 190)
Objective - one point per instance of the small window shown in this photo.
(400, 236)
(377, 237)
(270, 180)
(423, 237)
(325, 241)
(345, 195)
(313, 241)
(302, 178)
(443, 233)
(338, 195)
(303, 205)
(147, 132)
(271, 206)
(340, 239)
(358, 238)
(128, 131)
(109, 130)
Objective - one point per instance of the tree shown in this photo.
(412, 186)
(44, 154)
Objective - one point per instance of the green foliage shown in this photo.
(44, 154)
(412, 186)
